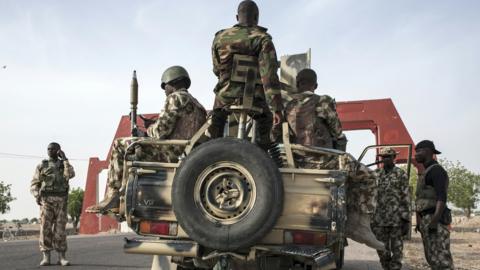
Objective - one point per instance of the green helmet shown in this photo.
(174, 73)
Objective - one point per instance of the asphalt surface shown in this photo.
(106, 252)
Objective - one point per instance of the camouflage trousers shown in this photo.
(53, 220)
(361, 186)
(157, 153)
(391, 236)
(436, 245)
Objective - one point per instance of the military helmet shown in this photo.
(306, 74)
(387, 151)
(174, 73)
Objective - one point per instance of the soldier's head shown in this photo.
(52, 150)
(424, 151)
(175, 78)
(247, 13)
(306, 80)
(387, 154)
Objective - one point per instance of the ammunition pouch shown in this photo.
(241, 63)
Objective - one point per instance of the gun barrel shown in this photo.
(133, 103)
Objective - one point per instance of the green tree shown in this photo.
(75, 201)
(464, 186)
(5, 197)
(34, 220)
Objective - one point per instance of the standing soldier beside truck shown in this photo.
(391, 221)
(433, 216)
(50, 188)
(181, 117)
(234, 50)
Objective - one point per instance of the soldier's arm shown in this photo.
(404, 196)
(36, 184)
(68, 172)
(268, 65)
(167, 119)
(326, 110)
(215, 58)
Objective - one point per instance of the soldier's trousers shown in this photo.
(436, 245)
(158, 153)
(220, 113)
(391, 236)
(53, 220)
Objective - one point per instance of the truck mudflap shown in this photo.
(324, 258)
(161, 247)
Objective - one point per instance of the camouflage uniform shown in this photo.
(436, 244)
(181, 117)
(253, 42)
(50, 185)
(393, 201)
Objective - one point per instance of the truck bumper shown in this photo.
(161, 247)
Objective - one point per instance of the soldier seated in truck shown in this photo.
(181, 117)
(313, 121)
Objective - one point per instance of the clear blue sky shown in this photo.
(69, 65)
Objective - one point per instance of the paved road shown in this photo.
(105, 252)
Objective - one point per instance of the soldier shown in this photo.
(391, 220)
(433, 217)
(245, 45)
(50, 188)
(314, 122)
(181, 117)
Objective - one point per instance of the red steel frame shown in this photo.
(379, 115)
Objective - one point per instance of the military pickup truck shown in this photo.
(228, 202)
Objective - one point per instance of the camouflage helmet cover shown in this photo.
(387, 151)
(174, 73)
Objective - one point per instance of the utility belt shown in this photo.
(53, 193)
(445, 219)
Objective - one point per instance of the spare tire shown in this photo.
(227, 194)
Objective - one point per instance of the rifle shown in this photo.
(133, 105)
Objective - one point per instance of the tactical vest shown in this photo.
(426, 197)
(194, 116)
(308, 129)
(53, 179)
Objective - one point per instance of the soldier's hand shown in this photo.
(433, 227)
(147, 121)
(39, 200)
(277, 118)
(61, 154)
(417, 228)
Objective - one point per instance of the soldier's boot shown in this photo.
(110, 204)
(358, 229)
(46, 258)
(62, 260)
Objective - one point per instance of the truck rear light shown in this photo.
(305, 238)
(158, 227)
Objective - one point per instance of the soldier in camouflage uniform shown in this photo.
(391, 220)
(433, 216)
(314, 121)
(50, 188)
(234, 50)
(181, 117)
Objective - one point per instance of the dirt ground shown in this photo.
(465, 246)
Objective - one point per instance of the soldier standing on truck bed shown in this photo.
(234, 50)
(181, 117)
(433, 216)
(314, 121)
(50, 188)
(391, 220)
